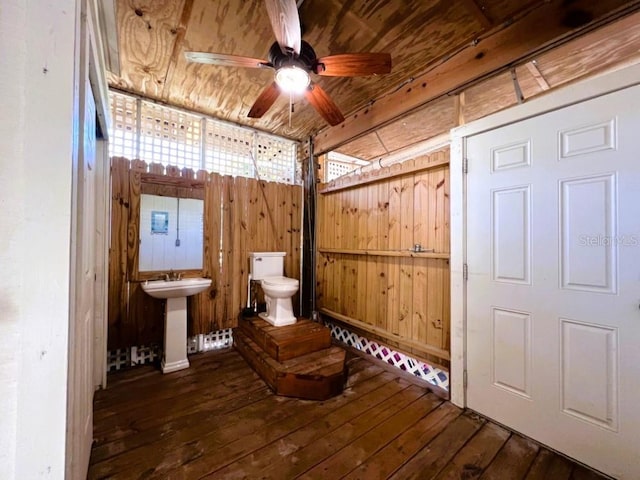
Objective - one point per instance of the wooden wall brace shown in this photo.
(385, 253)
(516, 86)
(535, 72)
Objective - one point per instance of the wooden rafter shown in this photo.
(528, 36)
(479, 13)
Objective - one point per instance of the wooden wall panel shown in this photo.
(496, 93)
(119, 325)
(226, 272)
(239, 218)
(393, 269)
(418, 126)
(381, 266)
(368, 274)
(361, 244)
(406, 263)
(612, 45)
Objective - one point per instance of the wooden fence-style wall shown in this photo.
(368, 274)
(241, 215)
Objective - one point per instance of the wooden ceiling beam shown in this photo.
(479, 13)
(549, 25)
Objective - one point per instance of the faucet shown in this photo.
(172, 276)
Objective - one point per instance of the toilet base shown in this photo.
(278, 322)
(279, 311)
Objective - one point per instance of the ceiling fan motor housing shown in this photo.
(306, 60)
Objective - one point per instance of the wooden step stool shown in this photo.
(295, 360)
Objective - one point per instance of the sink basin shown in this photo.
(176, 288)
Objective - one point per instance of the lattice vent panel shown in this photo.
(215, 340)
(338, 169)
(123, 134)
(118, 359)
(169, 136)
(276, 159)
(433, 375)
(145, 354)
(140, 355)
(228, 149)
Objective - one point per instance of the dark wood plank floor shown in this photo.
(218, 420)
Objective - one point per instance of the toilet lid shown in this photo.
(280, 281)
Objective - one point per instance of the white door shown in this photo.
(553, 251)
(81, 338)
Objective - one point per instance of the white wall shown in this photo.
(37, 85)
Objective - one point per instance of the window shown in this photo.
(156, 133)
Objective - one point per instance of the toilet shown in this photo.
(268, 269)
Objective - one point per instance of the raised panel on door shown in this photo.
(589, 372)
(511, 351)
(510, 239)
(588, 252)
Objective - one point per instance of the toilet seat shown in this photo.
(280, 281)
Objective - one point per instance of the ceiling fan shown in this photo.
(294, 60)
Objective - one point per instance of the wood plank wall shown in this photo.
(241, 216)
(368, 277)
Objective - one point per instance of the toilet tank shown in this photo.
(266, 264)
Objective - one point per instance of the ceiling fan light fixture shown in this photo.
(292, 79)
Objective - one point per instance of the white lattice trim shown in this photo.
(215, 340)
(139, 355)
(433, 375)
(145, 354)
(118, 359)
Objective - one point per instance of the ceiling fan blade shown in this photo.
(285, 22)
(353, 64)
(225, 60)
(319, 99)
(267, 98)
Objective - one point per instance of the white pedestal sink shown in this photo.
(175, 292)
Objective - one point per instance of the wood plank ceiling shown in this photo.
(419, 34)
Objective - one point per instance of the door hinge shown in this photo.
(465, 271)
(465, 165)
(464, 379)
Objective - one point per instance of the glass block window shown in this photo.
(151, 132)
(123, 135)
(169, 136)
(228, 149)
(276, 159)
